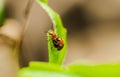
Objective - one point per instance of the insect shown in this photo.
(57, 41)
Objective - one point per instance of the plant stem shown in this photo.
(10, 34)
(8, 62)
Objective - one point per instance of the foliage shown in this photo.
(56, 57)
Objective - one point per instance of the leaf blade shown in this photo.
(55, 56)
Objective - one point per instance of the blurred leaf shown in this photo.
(96, 70)
(41, 69)
(55, 56)
(2, 13)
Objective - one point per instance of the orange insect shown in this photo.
(57, 41)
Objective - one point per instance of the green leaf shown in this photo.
(42, 69)
(55, 56)
(2, 13)
(95, 70)
(45, 66)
